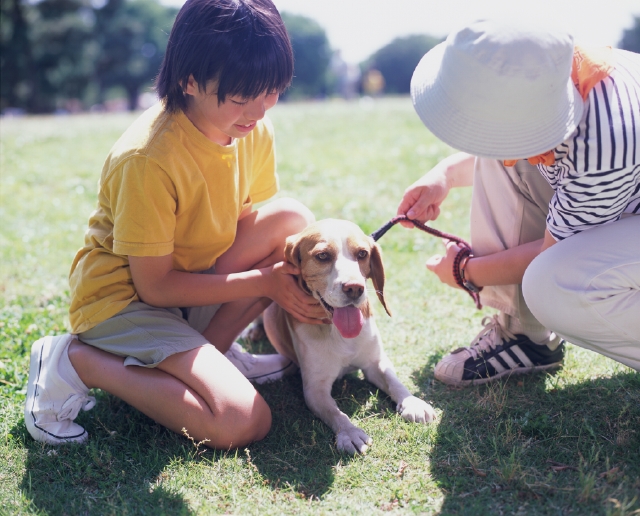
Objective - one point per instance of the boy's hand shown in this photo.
(285, 291)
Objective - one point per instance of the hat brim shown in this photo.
(485, 137)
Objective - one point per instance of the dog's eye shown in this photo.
(362, 254)
(323, 257)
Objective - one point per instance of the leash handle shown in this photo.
(432, 231)
(466, 248)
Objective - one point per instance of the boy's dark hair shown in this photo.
(243, 44)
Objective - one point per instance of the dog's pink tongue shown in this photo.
(348, 320)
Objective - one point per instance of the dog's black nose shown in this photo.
(353, 290)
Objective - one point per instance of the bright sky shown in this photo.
(360, 27)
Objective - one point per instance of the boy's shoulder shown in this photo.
(158, 135)
(143, 135)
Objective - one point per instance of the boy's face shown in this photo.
(234, 118)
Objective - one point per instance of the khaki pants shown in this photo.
(585, 288)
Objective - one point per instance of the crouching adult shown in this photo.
(550, 141)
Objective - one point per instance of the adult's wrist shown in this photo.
(466, 276)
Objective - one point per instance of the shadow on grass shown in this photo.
(535, 444)
(299, 453)
(424, 376)
(128, 464)
(118, 471)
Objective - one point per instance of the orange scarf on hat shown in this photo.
(589, 67)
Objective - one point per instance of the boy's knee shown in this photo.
(295, 214)
(242, 426)
(259, 424)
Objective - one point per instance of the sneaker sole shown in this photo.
(508, 372)
(39, 434)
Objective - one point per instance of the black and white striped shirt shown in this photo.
(596, 176)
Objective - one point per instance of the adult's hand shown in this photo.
(421, 201)
(442, 266)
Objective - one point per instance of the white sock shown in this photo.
(541, 336)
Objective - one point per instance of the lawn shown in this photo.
(547, 444)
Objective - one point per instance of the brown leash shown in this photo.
(464, 252)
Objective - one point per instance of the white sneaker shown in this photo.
(260, 368)
(55, 394)
(496, 352)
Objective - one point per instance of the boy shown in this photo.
(175, 263)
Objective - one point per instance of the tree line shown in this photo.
(63, 54)
(56, 50)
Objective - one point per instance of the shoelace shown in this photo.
(241, 356)
(490, 336)
(74, 403)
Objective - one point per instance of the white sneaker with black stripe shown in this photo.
(495, 353)
(55, 393)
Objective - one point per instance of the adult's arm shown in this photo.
(502, 268)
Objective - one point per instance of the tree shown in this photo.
(55, 50)
(631, 37)
(312, 54)
(15, 54)
(397, 60)
(45, 52)
(63, 52)
(133, 37)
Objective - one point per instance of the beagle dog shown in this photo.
(335, 259)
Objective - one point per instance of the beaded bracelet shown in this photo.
(459, 265)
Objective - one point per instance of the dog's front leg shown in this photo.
(349, 438)
(383, 376)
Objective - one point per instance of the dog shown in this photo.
(335, 259)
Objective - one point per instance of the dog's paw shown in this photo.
(353, 440)
(416, 410)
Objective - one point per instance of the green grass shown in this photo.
(546, 444)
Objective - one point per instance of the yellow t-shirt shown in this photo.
(165, 188)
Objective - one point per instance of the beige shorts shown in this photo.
(145, 335)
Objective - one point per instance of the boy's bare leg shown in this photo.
(199, 390)
(261, 236)
(231, 319)
(259, 243)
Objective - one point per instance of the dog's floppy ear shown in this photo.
(377, 274)
(292, 255)
(292, 250)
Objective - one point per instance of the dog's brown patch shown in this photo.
(365, 308)
(304, 250)
(377, 274)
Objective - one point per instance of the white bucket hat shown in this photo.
(498, 90)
